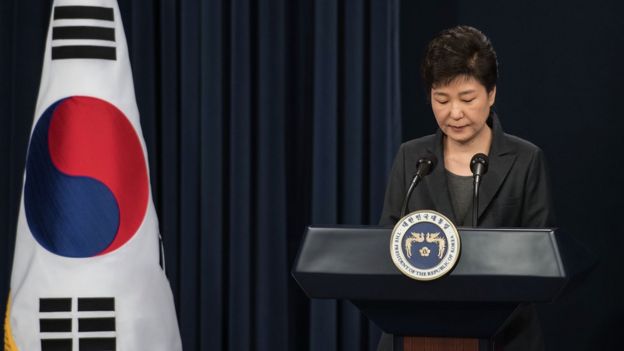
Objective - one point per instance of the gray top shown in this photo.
(460, 189)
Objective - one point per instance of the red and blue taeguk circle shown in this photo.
(86, 188)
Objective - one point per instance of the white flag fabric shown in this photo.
(86, 273)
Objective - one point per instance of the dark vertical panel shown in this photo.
(385, 115)
(325, 113)
(354, 144)
(189, 171)
(390, 122)
(270, 287)
(385, 119)
(323, 318)
(299, 141)
(241, 225)
(7, 234)
(213, 173)
(378, 93)
(354, 136)
(167, 103)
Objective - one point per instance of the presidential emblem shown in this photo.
(424, 245)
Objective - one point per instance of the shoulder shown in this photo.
(522, 147)
(411, 151)
(419, 146)
(528, 155)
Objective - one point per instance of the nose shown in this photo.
(456, 111)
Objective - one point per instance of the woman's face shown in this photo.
(461, 108)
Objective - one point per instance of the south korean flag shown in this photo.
(86, 273)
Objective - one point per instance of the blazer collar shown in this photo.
(501, 157)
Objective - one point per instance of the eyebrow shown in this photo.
(466, 92)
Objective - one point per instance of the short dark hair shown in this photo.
(459, 51)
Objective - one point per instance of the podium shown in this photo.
(498, 271)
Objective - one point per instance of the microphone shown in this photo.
(479, 167)
(424, 166)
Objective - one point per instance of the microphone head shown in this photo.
(479, 164)
(426, 164)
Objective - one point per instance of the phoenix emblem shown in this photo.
(433, 238)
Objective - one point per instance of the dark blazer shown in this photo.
(514, 192)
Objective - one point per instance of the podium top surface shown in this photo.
(496, 265)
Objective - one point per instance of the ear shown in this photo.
(492, 96)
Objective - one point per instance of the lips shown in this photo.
(457, 128)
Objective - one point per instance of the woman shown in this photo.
(460, 71)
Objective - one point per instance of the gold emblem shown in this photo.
(430, 238)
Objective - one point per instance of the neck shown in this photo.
(457, 155)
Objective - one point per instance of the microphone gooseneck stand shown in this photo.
(424, 166)
(478, 166)
(415, 181)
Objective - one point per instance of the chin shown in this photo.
(459, 138)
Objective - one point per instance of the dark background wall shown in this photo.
(561, 70)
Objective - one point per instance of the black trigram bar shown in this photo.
(96, 324)
(84, 52)
(55, 305)
(56, 345)
(84, 12)
(55, 325)
(83, 32)
(95, 304)
(97, 344)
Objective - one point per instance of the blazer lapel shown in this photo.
(501, 158)
(436, 181)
